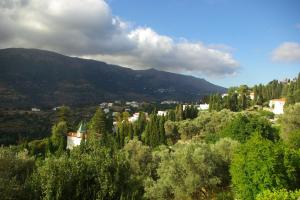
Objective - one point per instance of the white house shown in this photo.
(35, 109)
(224, 95)
(162, 113)
(106, 110)
(169, 102)
(56, 108)
(252, 95)
(103, 105)
(134, 117)
(133, 104)
(204, 106)
(110, 104)
(276, 105)
(75, 138)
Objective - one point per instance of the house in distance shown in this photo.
(277, 105)
(75, 138)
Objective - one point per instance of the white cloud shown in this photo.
(88, 29)
(287, 52)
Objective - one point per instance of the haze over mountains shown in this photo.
(32, 77)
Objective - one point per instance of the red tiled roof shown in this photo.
(281, 100)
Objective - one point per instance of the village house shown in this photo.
(169, 102)
(133, 104)
(56, 108)
(35, 109)
(162, 113)
(204, 106)
(224, 95)
(134, 117)
(277, 105)
(106, 110)
(252, 95)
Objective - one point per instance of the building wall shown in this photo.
(204, 106)
(162, 113)
(277, 107)
(73, 141)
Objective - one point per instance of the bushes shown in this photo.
(290, 124)
(96, 174)
(281, 194)
(15, 168)
(244, 125)
(261, 164)
(194, 170)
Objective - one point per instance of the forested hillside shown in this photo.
(32, 77)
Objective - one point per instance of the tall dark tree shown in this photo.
(179, 112)
(233, 105)
(64, 114)
(140, 125)
(57, 143)
(154, 133)
(98, 122)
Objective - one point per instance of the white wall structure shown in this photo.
(204, 106)
(252, 95)
(73, 141)
(134, 117)
(162, 113)
(75, 138)
(224, 95)
(277, 105)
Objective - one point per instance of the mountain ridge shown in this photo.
(34, 77)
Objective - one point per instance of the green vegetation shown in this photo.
(238, 98)
(282, 194)
(219, 155)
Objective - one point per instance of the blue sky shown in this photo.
(252, 28)
(228, 42)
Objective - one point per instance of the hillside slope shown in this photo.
(32, 77)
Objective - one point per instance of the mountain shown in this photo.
(32, 77)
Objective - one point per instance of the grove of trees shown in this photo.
(184, 155)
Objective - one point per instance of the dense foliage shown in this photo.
(238, 98)
(214, 155)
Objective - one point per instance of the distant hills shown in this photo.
(32, 77)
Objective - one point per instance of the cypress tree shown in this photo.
(57, 141)
(162, 135)
(179, 113)
(98, 123)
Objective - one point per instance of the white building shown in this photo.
(252, 95)
(133, 104)
(169, 102)
(103, 105)
(277, 105)
(224, 95)
(110, 104)
(75, 138)
(134, 117)
(56, 108)
(106, 110)
(162, 113)
(184, 107)
(35, 109)
(204, 106)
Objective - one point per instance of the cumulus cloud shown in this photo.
(287, 52)
(88, 29)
